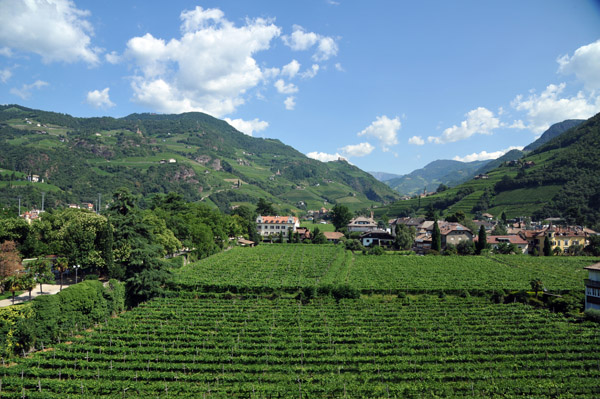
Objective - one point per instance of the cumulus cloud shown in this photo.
(248, 127)
(416, 140)
(99, 99)
(56, 30)
(484, 155)
(310, 73)
(283, 88)
(385, 130)
(550, 107)
(291, 69)
(323, 156)
(357, 150)
(113, 57)
(25, 91)
(290, 103)
(584, 63)
(209, 68)
(300, 40)
(479, 121)
(5, 74)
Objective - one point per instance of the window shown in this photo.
(566, 243)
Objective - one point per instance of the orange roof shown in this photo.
(278, 219)
(333, 235)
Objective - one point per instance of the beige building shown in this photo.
(274, 225)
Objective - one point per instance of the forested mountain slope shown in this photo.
(194, 154)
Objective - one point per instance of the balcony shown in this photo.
(592, 283)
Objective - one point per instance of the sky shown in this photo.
(388, 85)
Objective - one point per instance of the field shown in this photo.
(402, 338)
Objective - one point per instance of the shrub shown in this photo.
(593, 315)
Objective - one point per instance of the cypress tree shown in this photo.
(436, 238)
(547, 247)
(481, 240)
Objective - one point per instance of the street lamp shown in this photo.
(76, 267)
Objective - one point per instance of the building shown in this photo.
(559, 237)
(274, 225)
(362, 224)
(520, 243)
(592, 287)
(377, 238)
(333, 236)
(453, 233)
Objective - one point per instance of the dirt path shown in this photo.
(47, 289)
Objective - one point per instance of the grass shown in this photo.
(322, 227)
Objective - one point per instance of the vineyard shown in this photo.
(200, 343)
(287, 267)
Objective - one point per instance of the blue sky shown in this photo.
(389, 85)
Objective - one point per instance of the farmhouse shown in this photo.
(561, 238)
(592, 287)
(377, 238)
(494, 241)
(274, 225)
(333, 236)
(362, 224)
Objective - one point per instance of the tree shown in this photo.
(318, 237)
(265, 208)
(13, 284)
(466, 247)
(536, 285)
(10, 259)
(442, 187)
(499, 230)
(431, 213)
(42, 271)
(481, 240)
(503, 218)
(61, 265)
(457, 217)
(594, 245)
(405, 236)
(547, 247)
(28, 282)
(340, 216)
(436, 238)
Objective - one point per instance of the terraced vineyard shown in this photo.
(199, 344)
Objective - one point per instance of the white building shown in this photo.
(362, 224)
(274, 225)
(592, 287)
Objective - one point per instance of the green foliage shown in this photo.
(340, 216)
(318, 237)
(593, 315)
(265, 208)
(547, 247)
(436, 238)
(481, 240)
(374, 250)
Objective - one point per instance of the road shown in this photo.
(47, 289)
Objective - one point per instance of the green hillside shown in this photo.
(559, 179)
(194, 154)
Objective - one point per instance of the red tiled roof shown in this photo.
(278, 219)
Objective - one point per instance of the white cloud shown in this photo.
(518, 124)
(484, 155)
(339, 67)
(291, 69)
(290, 103)
(357, 150)
(479, 121)
(301, 40)
(416, 140)
(113, 57)
(99, 99)
(584, 63)
(323, 156)
(285, 89)
(208, 69)
(383, 129)
(25, 91)
(549, 107)
(56, 30)
(310, 73)
(248, 127)
(5, 74)
(326, 49)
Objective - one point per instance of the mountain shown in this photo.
(552, 132)
(383, 176)
(438, 172)
(561, 178)
(512, 155)
(194, 154)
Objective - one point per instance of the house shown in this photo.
(242, 242)
(494, 241)
(487, 225)
(162, 161)
(303, 233)
(559, 237)
(362, 224)
(377, 238)
(172, 160)
(487, 216)
(453, 233)
(407, 221)
(274, 225)
(592, 287)
(422, 243)
(333, 236)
